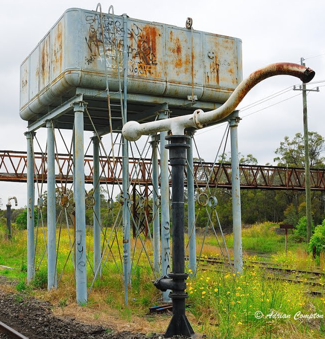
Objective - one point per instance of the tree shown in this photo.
(317, 241)
(244, 160)
(291, 152)
(21, 219)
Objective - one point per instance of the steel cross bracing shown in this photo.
(13, 167)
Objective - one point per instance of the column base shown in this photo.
(179, 325)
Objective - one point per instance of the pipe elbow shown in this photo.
(13, 198)
(131, 131)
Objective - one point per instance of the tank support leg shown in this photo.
(30, 208)
(96, 214)
(80, 208)
(236, 206)
(165, 215)
(155, 204)
(191, 208)
(51, 209)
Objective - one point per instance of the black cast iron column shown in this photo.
(179, 324)
(9, 220)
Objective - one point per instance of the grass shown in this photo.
(260, 238)
(222, 304)
(251, 306)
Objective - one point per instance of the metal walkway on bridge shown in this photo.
(13, 167)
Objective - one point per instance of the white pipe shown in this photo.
(133, 130)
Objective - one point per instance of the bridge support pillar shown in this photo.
(80, 208)
(236, 204)
(51, 209)
(30, 208)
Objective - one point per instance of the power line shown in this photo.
(272, 96)
(316, 82)
(262, 109)
(261, 101)
(314, 56)
(208, 129)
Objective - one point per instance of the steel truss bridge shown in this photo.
(13, 167)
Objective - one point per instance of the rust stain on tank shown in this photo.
(147, 44)
(178, 51)
(44, 72)
(57, 50)
(188, 65)
(213, 74)
(192, 65)
(24, 81)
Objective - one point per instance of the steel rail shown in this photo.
(9, 331)
(265, 265)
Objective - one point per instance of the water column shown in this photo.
(179, 324)
(30, 208)
(96, 208)
(51, 209)
(236, 205)
(80, 208)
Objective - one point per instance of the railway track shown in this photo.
(312, 278)
(9, 332)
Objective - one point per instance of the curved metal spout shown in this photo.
(133, 130)
(12, 198)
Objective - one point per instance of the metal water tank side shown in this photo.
(85, 50)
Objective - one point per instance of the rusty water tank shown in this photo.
(84, 51)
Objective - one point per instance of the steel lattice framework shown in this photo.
(13, 167)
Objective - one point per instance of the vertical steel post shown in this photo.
(236, 204)
(30, 208)
(74, 204)
(96, 211)
(165, 216)
(179, 324)
(191, 207)
(155, 204)
(9, 220)
(126, 218)
(307, 166)
(125, 172)
(80, 209)
(51, 209)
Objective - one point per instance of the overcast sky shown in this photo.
(271, 31)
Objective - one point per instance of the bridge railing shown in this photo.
(13, 167)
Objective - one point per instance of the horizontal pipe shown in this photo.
(132, 130)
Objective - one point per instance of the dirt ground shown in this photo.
(40, 319)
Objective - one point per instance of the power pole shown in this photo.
(307, 167)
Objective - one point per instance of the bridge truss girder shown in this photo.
(13, 167)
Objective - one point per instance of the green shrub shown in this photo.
(300, 233)
(21, 219)
(21, 286)
(317, 240)
(40, 280)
